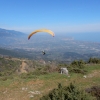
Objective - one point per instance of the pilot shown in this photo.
(43, 52)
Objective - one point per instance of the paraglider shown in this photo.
(41, 30)
(43, 52)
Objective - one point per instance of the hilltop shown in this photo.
(25, 79)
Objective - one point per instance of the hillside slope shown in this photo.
(10, 33)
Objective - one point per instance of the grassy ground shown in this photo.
(34, 87)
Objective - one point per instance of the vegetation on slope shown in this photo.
(42, 78)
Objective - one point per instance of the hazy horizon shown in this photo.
(85, 36)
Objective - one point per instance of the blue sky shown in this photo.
(61, 16)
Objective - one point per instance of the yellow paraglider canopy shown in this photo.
(41, 30)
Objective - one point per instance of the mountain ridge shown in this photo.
(59, 48)
(10, 33)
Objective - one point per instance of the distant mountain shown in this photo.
(8, 37)
(10, 33)
(63, 47)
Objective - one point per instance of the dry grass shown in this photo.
(33, 89)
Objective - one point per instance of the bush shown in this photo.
(39, 72)
(78, 64)
(3, 78)
(33, 74)
(77, 70)
(70, 92)
(94, 91)
(77, 67)
(94, 60)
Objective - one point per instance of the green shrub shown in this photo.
(33, 74)
(3, 78)
(77, 70)
(94, 60)
(70, 92)
(79, 64)
(77, 67)
(23, 75)
(94, 91)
